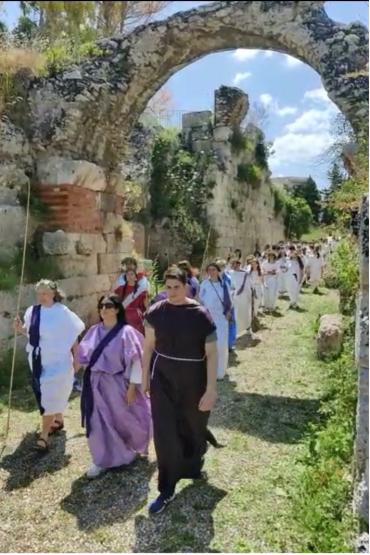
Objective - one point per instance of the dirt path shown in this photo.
(271, 394)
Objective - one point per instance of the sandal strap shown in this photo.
(44, 440)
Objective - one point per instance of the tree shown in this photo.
(336, 179)
(298, 217)
(104, 18)
(310, 193)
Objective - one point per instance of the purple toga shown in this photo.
(118, 431)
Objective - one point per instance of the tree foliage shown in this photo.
(310, 193)
(178, 187)
(101, 18)
(298, 217)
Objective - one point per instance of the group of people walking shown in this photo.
(151, 366)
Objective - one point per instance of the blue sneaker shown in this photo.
(160, 503)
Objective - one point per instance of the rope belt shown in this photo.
(173, 358)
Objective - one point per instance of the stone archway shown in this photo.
(105, 95)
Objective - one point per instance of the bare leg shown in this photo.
(47, 422)
(59, 417)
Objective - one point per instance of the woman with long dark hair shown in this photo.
(114, 410)
(315, 266)
(192, 285)
(294, 276)
(134, 300)
(215, 295)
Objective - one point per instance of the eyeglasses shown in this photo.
(106, 306)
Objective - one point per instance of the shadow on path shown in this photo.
(173, 530)
(113, 497)
(26, 465)
(272, 418)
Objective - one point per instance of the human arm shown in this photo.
(76, 362)
(209, 398)
(136, 376)
(19, 326)
(149, 345)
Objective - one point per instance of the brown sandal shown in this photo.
(54, 429)
(42, 448)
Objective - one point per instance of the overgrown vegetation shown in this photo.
(36, 268)
(178, 188)
(50, 36)
(279, 200)
(21, 370)
(249, 173)
(296, 213)
(261, 155)
(322, 502)
(238, 140)
(343, 273)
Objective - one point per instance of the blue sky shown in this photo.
(299, 114)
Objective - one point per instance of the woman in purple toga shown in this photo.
(114, 409)
(180, 350)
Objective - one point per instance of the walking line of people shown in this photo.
(151, 368)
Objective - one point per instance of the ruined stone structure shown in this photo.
(361, 497)
(241, 211)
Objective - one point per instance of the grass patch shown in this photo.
(321, 507)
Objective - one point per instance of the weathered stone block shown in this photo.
(196, 119)
(78, 265)
(59, 242)
(86, 307)
(110, 263)
(83, 286)
(222, 133)
(12, 225)
(329, 338)
(53, 170)
(125, 244)
(90, 243)
(115, 223)
(138, 231)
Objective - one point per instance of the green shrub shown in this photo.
(279, 200)
(238, 140)
(21, 372)
(261, 155)
(343, 274)
(249, 173)
(321, 501)
(35, 269)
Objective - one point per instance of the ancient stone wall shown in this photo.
(361, 494)
(241, 211)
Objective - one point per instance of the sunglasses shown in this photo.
(106, 305)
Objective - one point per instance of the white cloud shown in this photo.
(273, 106)
(239, 77)
(241, 54)
(286, 111)
(269, 53)
(317, 95)
(292, 62)
(298, 148)
(266, 99)
(312, 121)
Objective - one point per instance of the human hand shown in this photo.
(131, 394)
(76, 365)
(18, 325)
(208, 400)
